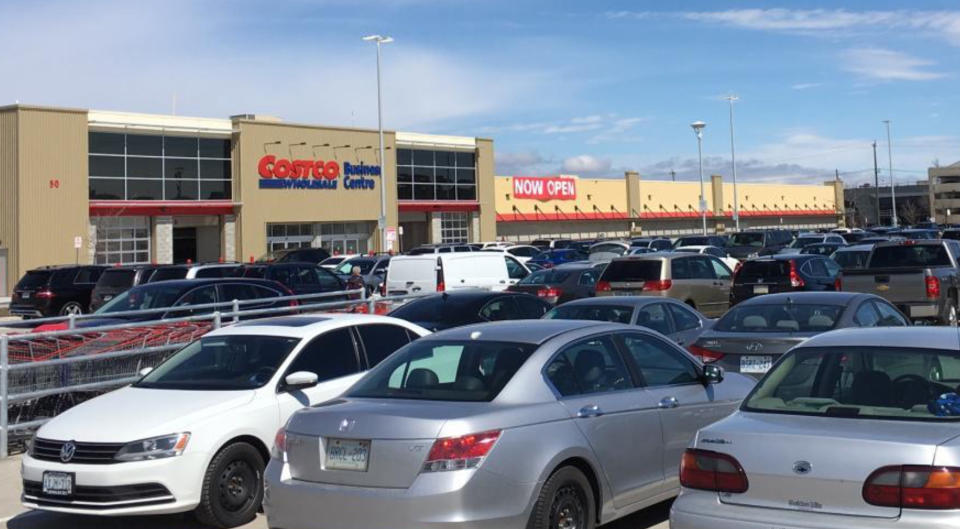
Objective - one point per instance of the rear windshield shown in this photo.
(34, 279)
(633, 270)
(471, 371)
(851, 259)
(616, 314)
(766, 270)
(910, 255)
(166, 274)
(693, 241)
(747, 239)
(117, 278)
(780, 318)
(805, 241)
(895, 383)
(435, 309)
(952, 235)
(550, 276)
(618, 249)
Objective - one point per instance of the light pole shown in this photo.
(382, 220)
(733, 162)
(698, 130)
(893, 183)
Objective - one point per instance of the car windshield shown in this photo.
(747, 239)
(780, 318)
(894, 383)
(222, 363)
(917, 255)
(851, 259)
(34, 279)
(331, 261)
(805, 241)
(613, 313)
(151, 296)
(365, 265)
(551, 276)
(474, 371)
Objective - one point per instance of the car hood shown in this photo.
(130, 413)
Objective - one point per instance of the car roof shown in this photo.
(50, 268)
(836, 298)
(523, 331)
(921, 337)
(183, 283)
(784, 257)
(465, 296)
(304, 325)
(620, 300)
(856, 248)
(574, 265)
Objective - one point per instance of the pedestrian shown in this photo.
(355, 282)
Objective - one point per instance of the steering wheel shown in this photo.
(907, 382)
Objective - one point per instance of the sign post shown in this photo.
(77, 244)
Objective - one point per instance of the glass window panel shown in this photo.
(466, 159)
(214, 148)
(140, 189)
(466, 192)
(404, 174)
(144, 167)
(180, 169)
(423, 158)
(423, 175)
(405, 192)
(466, 176)
(106, 142)
(215, 169)
(178, 146)
(444, 176)
(444, 159)
(446, 192)
(215, 189)
(404, 157)
(106, 166)
(181, 189)
(423, 192)
(106, 189)
(144, 144)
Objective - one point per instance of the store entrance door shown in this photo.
(184, 245)
(414, 234)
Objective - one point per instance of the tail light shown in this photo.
(914, 487)
(603, 286)
(707, 356)
(383, 284)
(550, 292)
(658, 285)
(838, 284)
(45, 294)
(441, 286)
(713, 471)
(457, 453)
(933, 287)
(279, 448)
(736, 272)
(795, 280)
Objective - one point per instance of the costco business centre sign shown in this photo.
(281, 173)
(545, 188)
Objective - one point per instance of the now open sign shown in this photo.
(545, 188)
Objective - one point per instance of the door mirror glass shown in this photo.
(145, 371)
(712, 374)
(300, 380)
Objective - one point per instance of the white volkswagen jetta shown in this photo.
(195, 433)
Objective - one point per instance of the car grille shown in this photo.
(144, 493)
(86, 453)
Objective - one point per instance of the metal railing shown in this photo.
(40, 389)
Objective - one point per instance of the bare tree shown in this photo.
(911, 212)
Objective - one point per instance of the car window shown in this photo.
(683, 318)
(328, 282)
(866, 315)
(382, 265)
(816, 267)
(832, 268)
(588, 278)
(590, 366)
(889, 316)
(330, 355)
(531, 308)
(88, 275)
(217, 271)
(659, 363)
(197, 296)
(63, 278)
(499, 309)
(524, 251)
(232, 291)
(780, 318)
(514, 269)
(380, 340)
(661, 244)
(720, 270)
(681, 269)
(701, 267)
(617, 314)
(654, 316)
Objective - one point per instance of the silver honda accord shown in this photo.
(551, 423)
(854, 429)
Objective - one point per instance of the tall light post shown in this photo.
(698, 130)
(382, 220)
(893, 183)
(733, 162)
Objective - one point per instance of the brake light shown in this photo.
(603, 286)
(658, 285)
(707, 356)
(441, 287)
(45, 294)
(279, 448)
(736, 272)
(713, 471)
(457, 453)
(838, 284)
(795, 280)
(914, 487)
(933, 287)
(550, 292)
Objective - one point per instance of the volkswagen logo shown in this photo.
(347, 425)
(755, 347)
(802, 467)
(67, 451)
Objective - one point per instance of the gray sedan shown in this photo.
(538, 424)
(667, 316)
(854, 428)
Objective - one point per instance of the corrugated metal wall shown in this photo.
(8, 193)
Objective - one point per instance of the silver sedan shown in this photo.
(853, 429)
(530, 424)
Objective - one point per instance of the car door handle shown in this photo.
(590, 411)
(669, 402)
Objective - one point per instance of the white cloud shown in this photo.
(587, 164)
(806, 86)
(520, 163)
(888, 65)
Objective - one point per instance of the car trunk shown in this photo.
(412, 275)
(758, 277)
(111, 283)
(819, 464)
(750, 353)
(25, 290)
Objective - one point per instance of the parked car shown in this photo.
(607, 250)
(511, 425)
(919, 277)
(826, 249)
(549, 258)
(560, 284)
(410, 274)
(332, 262)
(719, 241)
(657, 244)
(496, 244)
(195, 271)
(747, 244)
(194, 434)
(455, 309)
(854, 429)
(117, 280)
(784, 273)
(701, 281)
(428, 249)
(920, 234)
(373, 269)
(521, 252)
(752, 336)
(583, 245)
(551, 244)
(852, 257)
(299, 278)
(54, 291)
(731, 262)
(808, 239)
(854, 237)
(304, 255)
(667, 316)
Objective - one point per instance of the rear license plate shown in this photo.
(107, 297)
(761, 289)
(58, 483)
(24, 295)
(755, 364)
(347, 454)
(624, 293)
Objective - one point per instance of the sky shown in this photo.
(563, 87)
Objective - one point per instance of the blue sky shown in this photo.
(589, 88)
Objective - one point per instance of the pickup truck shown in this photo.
(920, 277)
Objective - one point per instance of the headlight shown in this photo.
(154, 448)
(753, 255)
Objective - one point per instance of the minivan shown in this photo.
(755, 243)
(411, 274)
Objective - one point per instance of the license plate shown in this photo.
(25, 295)
(761, 289)
(107, 298)
(347, 454)
(57, 483)
(624, 293)
(755, 364)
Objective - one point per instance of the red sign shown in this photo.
(271, 167)
(545, 188)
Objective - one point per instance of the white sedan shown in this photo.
(731, 262)
(195, 433)
(521, 252)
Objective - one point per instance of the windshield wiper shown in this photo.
(842, 411)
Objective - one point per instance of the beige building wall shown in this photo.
(486, 191)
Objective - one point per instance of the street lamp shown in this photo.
(698, 130)
(733, 162)
(893, 184)
(382, 220)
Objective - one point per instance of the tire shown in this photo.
(71, 307)
(949, 316)
(232, 487)
(565, 502)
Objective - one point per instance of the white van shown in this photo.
(411, 274)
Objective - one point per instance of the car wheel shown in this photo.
(949, 316)
(232, 487)
(565, 502)
(71, 308)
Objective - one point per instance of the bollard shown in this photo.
(236, 310)
(371, 305)
(71, 321)
(216, 320)
(4, 390)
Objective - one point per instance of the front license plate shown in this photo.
(347, 454)
(755, 364)
(761, 289)
(57, 483)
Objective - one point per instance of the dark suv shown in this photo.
(54, 291)
(117, 280)
(757, 243)
(303, 255)
(783, 273)
(300, 278)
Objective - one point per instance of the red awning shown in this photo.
(438, 205)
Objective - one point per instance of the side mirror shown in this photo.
(145, 371)
(712, 374)
(299, 380)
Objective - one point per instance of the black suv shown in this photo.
(117, 280)
(783, 273)
(300, 278)
(54, 291)
(303, 255)
(756, 243)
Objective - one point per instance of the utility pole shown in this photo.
(876, 182)
(733, 163)
(673, 175)
(893, 182)
(698, 130)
